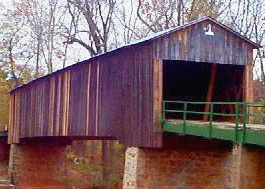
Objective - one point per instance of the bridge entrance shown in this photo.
(207, 100)
(202, 82)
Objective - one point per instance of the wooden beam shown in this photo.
(248, 88)
(157, 105)
(248, 83)
(210, 91)
(11, 120)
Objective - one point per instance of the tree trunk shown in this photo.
(179, 12)
(38, 58)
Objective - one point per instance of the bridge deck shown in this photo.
(240, 131)
(251, 134)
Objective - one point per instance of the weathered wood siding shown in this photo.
(109, 96)
(191, 44)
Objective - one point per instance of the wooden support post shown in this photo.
(210, 91)
(184, 117)
(237, 122)
(248, 87)
(158, 98)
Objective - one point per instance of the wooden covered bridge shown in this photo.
(191, 80)
(119, 94)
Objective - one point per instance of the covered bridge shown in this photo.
(119, 94)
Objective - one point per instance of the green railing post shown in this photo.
(237, 122)
(211, 120)
(184, 117)
(247, 114)
(164, 111)
(245, 121)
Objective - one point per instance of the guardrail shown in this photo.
(242, 114)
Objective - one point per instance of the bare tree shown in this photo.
(97, 16)
(248, 18)
(160, 15)
(127, 23)
(157, 15)
(14, 55)
(43, 21)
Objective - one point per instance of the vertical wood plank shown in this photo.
(158, 95)
(88, 97)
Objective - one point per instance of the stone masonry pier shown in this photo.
(40, 164)
(195, 164)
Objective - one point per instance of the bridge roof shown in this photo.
(151, 38)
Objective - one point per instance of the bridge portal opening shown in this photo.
(196, 81)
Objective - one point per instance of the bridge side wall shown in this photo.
(107, 96)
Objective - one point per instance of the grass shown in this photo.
(87, 167)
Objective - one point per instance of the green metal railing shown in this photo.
(243, 112)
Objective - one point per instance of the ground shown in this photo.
(86, 168)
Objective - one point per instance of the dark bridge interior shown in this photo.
(190, 81)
